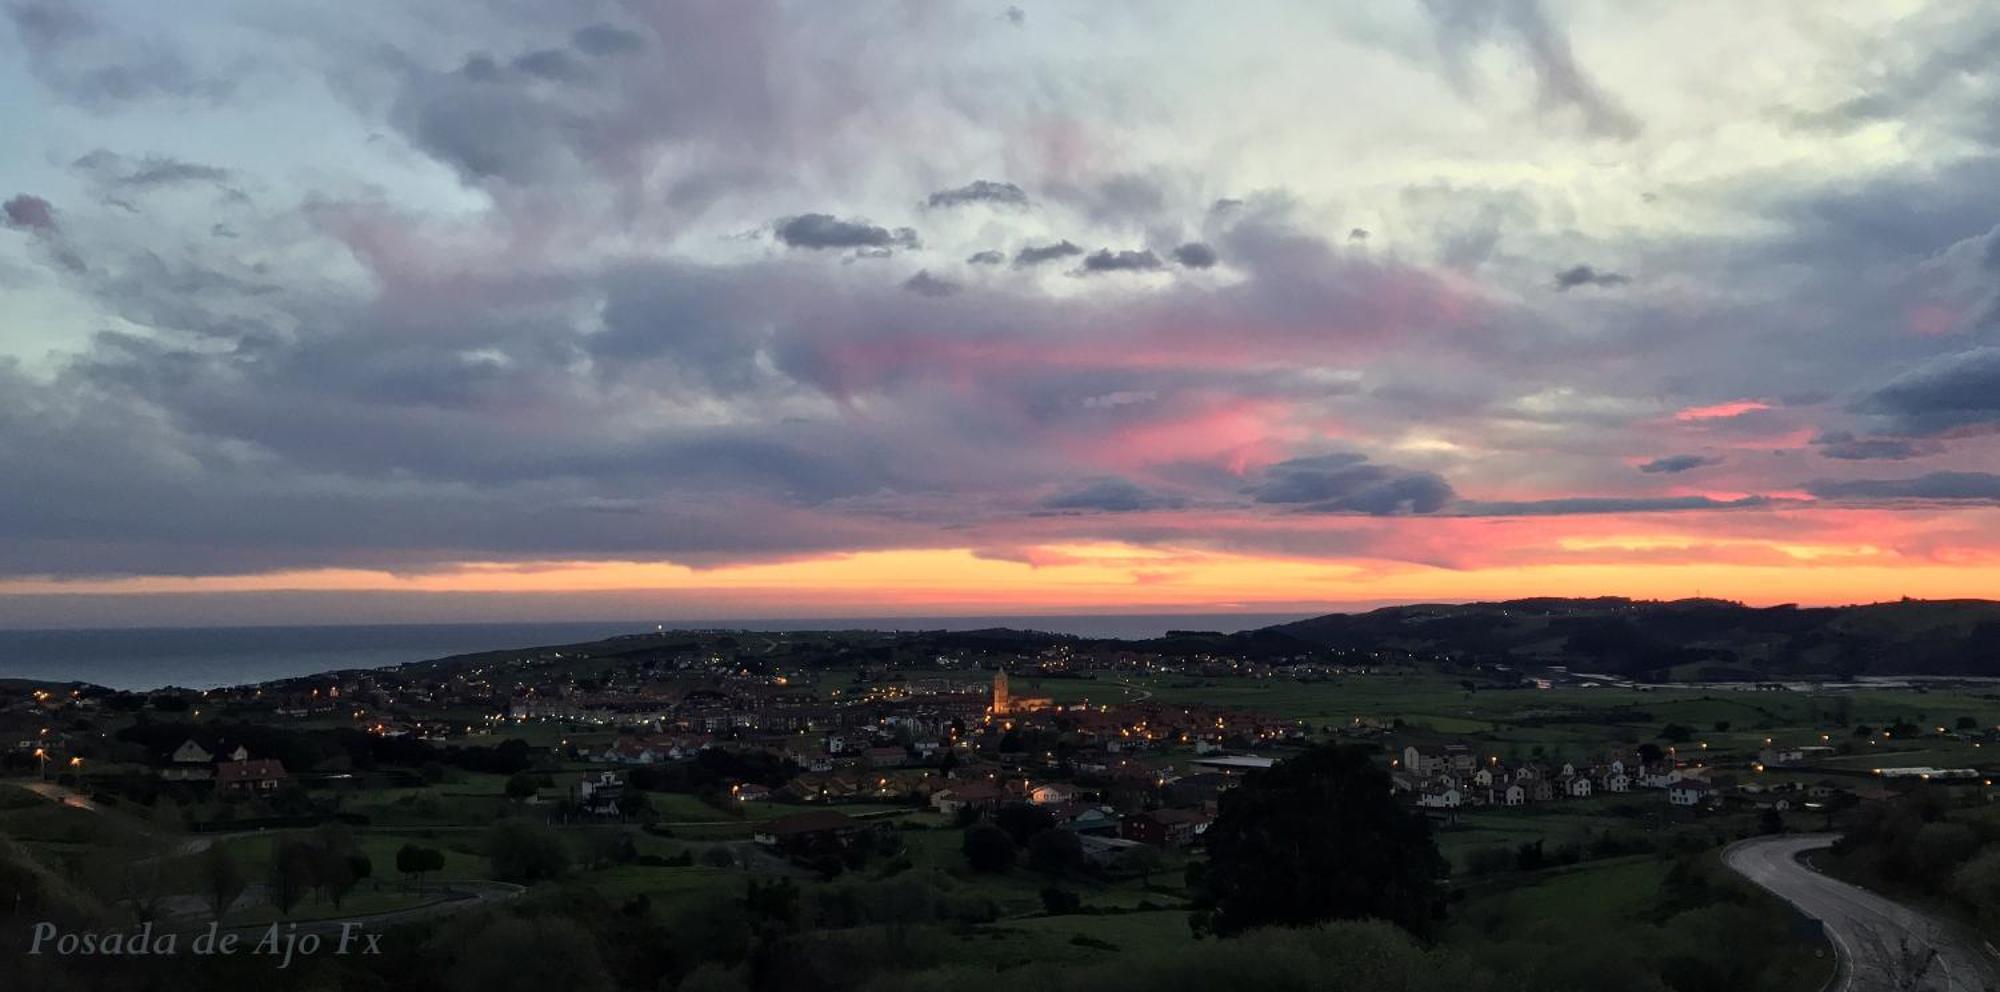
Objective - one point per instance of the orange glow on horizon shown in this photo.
(1105, 576)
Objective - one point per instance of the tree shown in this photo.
(510, 954)
(1650, 754)
(294, 872)
(523, 851)
(1675, 733)
(1318, 837)
(416, 861)
(1966, 723)
(988, 848)
(222, 879)
(1055, 851)
(1022, 821)
(1141, 860)
(522, 785)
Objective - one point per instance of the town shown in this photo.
(1031, 786)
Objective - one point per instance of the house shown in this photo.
(974, 795)
(1540, 790)
(1049, 795)
(749, 792)
(1688, 792)
(630, 752)
(190, 763)
(885, 757)
(1617, 781)
(1102, 852)
(599, 796)
(1516, 795)
(806, 828)
(1575, 786)
(1423, 762)
(1780, 755)
(1089, 821)
(1165, 827)
(262, 775)
(1446, 798)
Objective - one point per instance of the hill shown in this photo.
(1687, 638)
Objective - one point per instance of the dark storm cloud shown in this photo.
(1464, 24)
(925, 284)
(1947, 393)
(1949, 486)
(1037, 254)
(990, 256)
(1110, 496)
(1195, 255)
(1584, 275)
(980, 191)
(1106, 260)
(607, 39)
(1349, 483)
(1674, 464)
(29, 213)
(826, 231)
(1845, 446)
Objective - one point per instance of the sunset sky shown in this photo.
(521, 310)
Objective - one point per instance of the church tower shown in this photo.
(1000, 691)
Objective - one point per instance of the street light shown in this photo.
(43, 754)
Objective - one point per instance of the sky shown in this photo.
(516, 310)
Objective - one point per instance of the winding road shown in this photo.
(1882, 944)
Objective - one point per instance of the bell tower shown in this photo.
(1000, 691)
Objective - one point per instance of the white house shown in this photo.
(1516, 795)
(1447, 798)
(1577, 787)
(1688, 792)
(1617, 781)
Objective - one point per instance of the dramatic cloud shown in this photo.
(826, 231)
(116, 171)
(1195, 255)
(607, 40)
(980, 191)
(1950, 486)
(1110, 496)
(396, 297)
(925, 284)
(1845, 446)
(1106, 260)
(1348, 483)
(1675, 464)
(1581, 505)
(1462, 24)
(1584, 275)
(1943, 394)
(1037, 254)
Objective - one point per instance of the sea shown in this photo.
(137, 659)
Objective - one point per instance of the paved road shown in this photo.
(1882, 944)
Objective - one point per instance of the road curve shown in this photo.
(1882, 944)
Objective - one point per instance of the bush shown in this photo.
(988, 848)
(524, 851)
